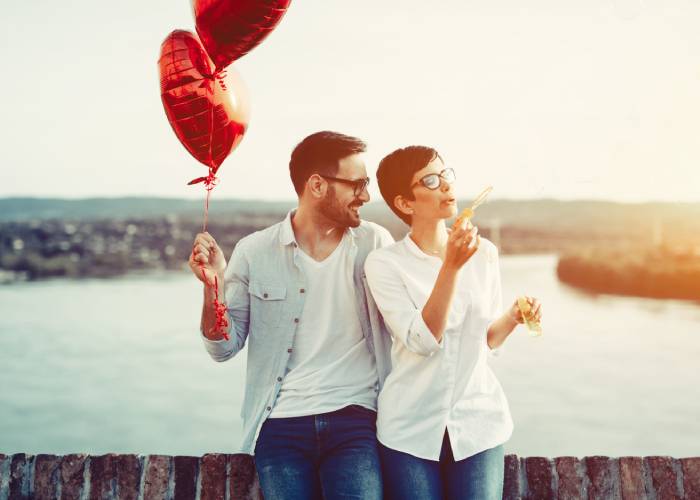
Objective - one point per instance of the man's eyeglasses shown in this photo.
(432, 181)
(358, 185)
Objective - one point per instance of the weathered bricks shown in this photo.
(103, 475)
(691, 477)
(604, 479)
(632, 478)
(157, 477)
(570, 486)
(539, 478)
(71, 474)
(46, 477)
(19, 484)
(243, 482)
(3, 460)
(664, 477)
(185, 477)
(213, 476)
(128, 476)
(511, 479)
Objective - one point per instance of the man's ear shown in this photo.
(403, 205)
(316, 186)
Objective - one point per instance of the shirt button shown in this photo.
(302, 290)
(289, 350)
(279, 379)
(296, 320)
(268, 408)
(264, 295)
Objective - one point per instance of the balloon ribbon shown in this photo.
(219, 308)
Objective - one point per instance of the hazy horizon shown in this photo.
(375, 198)
(554, 100)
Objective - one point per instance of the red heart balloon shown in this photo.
(208, 116)
(229, 29)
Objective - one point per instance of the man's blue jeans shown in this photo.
(479, 477)
(331, 455)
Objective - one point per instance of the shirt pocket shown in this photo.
(478, 320)
(266, 303)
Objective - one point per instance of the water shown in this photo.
(116, 365)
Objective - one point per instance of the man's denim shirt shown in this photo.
(265, 297)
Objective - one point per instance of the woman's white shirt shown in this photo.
(436, 386)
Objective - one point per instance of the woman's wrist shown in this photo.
(512, 318)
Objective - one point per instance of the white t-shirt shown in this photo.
(436, 386)
(330, 366)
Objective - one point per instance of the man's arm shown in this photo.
(231, 283)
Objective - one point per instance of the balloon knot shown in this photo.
(209, 181)
(220, 75)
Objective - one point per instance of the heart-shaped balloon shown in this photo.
(209, 115)
(229, 29)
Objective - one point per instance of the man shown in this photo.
(318, 351)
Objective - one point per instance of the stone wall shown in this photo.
(219, 476)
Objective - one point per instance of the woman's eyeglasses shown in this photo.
(358, 185)
(432, 181)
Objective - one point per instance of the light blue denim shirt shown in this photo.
(265, 297)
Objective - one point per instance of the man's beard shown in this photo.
(337, 213)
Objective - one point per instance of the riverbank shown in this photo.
(659, 273)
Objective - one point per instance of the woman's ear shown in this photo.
(403, 205)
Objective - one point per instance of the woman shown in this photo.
(442, 415)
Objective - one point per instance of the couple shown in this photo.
(367, 359)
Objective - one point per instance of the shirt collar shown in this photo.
(415, 249)
(287, 236)
(286, 231)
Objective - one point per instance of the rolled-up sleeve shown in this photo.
(401, 316)
(237, 308)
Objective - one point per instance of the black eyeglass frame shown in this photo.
(358, 185)
(441, 175)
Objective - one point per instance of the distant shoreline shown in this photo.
(658, 274)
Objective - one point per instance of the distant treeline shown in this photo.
(101, 248)
(678, 220)
(659, 273)
(42, 238)
(37, 249)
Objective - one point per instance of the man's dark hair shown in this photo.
(396, 171)
(320, 153)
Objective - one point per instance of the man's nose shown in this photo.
(364, 195)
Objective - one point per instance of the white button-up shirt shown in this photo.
(436, 386)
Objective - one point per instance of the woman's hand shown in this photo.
(461, 245)
(515, 314)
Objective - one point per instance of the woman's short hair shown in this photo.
(320, 153)
(396, 171)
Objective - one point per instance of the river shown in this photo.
(116, 365)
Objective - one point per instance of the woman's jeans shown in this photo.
(330, 455)
(479, 477)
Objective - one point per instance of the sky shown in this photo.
(547, 98)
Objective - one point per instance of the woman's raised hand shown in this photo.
(461, 245)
